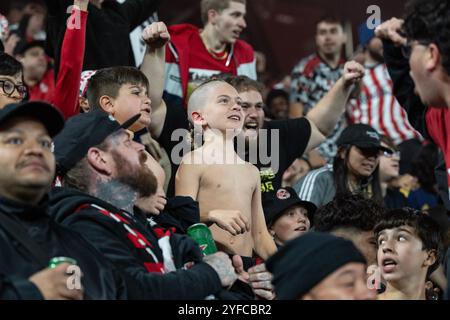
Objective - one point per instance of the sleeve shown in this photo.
(137, 11)
(312, 187)
(71, 64)
(18, 289)
(398, 68)
(295, 133)
(195, 283)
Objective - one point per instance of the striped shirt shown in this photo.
(378, 107)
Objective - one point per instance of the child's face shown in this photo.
(223, 111)
(401, 254)
(131, 100)
(292, 223)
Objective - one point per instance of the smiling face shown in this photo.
(362, 163)
(401, 254)
(292, 223)
(26, 158)
(131, 100)
(222, 110)
(230, 22)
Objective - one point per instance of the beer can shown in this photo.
(203, 236)
(58, 260)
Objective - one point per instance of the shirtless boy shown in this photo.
(226, 187)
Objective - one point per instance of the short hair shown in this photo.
(108, 82)
(244, 83)
(429, 21)
(275, 93)
(350, 211)
(217, 5)
(331, 19)
(9, 66)
(199, 96)
(424, 226)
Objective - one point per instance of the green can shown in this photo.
(203, 236)
(58, 260)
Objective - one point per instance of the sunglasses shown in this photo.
(9, 87)
(391, 154)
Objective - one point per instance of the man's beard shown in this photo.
(140, 179)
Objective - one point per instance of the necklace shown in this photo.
(218, 56)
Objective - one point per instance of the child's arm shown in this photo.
(156, 36)
(263, 241)
(187, 183)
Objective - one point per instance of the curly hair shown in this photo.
(348, 211)
(429, 20)
(425, 227)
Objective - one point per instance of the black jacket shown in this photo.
(107, 31)
(398, 68)
(108, 237)
(100, 280)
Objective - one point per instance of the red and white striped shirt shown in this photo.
(378, 107)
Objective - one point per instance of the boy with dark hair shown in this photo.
(409, 250)
(352, 217)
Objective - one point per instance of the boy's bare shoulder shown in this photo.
(253, 170)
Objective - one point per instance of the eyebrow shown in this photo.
(20, 131)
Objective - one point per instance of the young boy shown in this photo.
(287, 216)
(409, 250)
(226, 187)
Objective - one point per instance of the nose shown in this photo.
(33, 148)
(138, 146)
(386, 246)
(237, 107)
(242, 23)
(302, 217)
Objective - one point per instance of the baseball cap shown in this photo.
(362, 136)
(45, 113)
(23, 46)
(82, 132)
(274, 203)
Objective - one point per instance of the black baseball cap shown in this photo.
(274, 203)
(361, 136)
(82, 132)
(45, 113)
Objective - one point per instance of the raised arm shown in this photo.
(330, 108)
(263, 242)
(156, 36)
(71, 62)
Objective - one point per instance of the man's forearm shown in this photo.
(330, 108)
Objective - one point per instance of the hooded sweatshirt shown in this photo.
(141, 252)
(100, 280)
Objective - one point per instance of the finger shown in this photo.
(258, 268)
(240, 222)
(265, 294)
(266, 285)
(260, 276)
(236, 228)
(247, 223)
(228, 228)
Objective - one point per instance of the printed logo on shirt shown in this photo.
(267, 177)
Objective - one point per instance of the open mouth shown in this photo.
(388, 265)
(251, 125)
(301, 229)
(235, 118)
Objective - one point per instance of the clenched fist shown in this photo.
(156, 35)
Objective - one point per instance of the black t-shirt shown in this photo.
(279, 144)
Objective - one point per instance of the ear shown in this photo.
(197, 118)
(342, 153)
(433, 58)
(107, 104)
(430, 258)
(212, 15)
(96, 158)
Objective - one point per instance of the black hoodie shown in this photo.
(108, 237)
(17, 265)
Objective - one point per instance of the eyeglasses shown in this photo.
(408, 47)
(9, 87)
(391, 154)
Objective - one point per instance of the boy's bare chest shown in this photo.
(228, 178)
